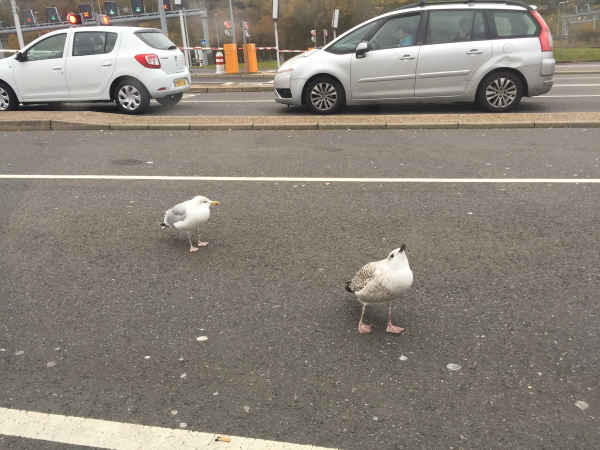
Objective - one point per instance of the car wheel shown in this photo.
(8, 98)
(170, 100)
(132, 97)
(500, 92)
(324, 95)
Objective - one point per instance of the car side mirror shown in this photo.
(361, 49)
(19, 57)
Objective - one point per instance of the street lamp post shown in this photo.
(232, 22)
(558, 27)
(18, 23)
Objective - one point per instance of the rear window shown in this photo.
(513, 23)
(156, 39)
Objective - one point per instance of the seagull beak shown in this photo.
(402, 247)
(215, 203)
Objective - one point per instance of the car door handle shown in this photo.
(56, 68)
(475, 52)
(107, 64)
(402, 58)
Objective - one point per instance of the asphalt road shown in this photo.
(506, 286)
(571, 93)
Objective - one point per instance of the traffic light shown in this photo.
(52, 15)
(74, 19)
(86, 11)
(102, 19)
(28, 18)
(227, 26)
(313, 35)
(245, 29)
(137, 6)
(111, 9)
(167, 5)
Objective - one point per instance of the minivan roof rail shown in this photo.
(465, 2)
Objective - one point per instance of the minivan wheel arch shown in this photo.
(515, 72)
(320, 75)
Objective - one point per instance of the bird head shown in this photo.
(203, 200)
(397, 258)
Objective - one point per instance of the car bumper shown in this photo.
(287, 90)
(160, 84)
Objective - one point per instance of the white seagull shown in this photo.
(188, 216)
(380, 282)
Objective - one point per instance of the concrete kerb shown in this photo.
(258, 123)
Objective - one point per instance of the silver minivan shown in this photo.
(488, 52)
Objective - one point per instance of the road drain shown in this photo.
(127, 162)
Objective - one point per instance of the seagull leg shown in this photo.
(392, 328)
(192, 248)
(200, 243)
(362, 327)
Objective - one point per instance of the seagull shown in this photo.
(380, 282)
(188, 216)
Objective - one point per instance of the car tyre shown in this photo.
(8, 98)
(324, 95)
(500, 92)
(132, 97)
(170, 100)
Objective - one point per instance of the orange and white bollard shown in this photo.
(219, 62)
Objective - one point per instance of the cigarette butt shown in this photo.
(223, 439)
(327, 184)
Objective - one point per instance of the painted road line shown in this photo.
(227, 101)
(122, 436)
(305, 179)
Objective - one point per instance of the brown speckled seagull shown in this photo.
(382, 282)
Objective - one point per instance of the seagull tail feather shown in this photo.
(348, 288)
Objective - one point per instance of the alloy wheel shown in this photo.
(323, 96)
(501, 92)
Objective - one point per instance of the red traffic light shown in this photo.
(227, 25)
(102, 19)
(74, 19)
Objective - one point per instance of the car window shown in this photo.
(50, 48)
(93, 43)
(156, 39)
(348, 43)
(399, 31)
(513, 23)
(450, 26)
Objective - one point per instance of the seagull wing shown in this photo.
(175, 214)
(362, 278)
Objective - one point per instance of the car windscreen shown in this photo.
(156, 39)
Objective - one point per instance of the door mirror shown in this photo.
(19, 57)
(361, 49)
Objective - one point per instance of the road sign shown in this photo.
(137, 6)
(86, 11)
(203, 42)
(28, 18)
(110, 8)
(52, 14)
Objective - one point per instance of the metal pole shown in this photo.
(217, 29)
(276, 43)
(232, 22)
(18, 24)
(163, 17)
(205, 53)
(184, 39)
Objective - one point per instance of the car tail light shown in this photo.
(545, 35)
(148, 60)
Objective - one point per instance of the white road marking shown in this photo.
(228, 101)
(122, 436)
(307, 179)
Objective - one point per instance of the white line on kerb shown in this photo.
(122, 436)
(307, 179)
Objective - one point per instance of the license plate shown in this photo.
(180, 82)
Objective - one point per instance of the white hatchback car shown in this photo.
(129, 65)
(491, 52)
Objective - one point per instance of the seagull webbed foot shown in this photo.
(394, 329)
